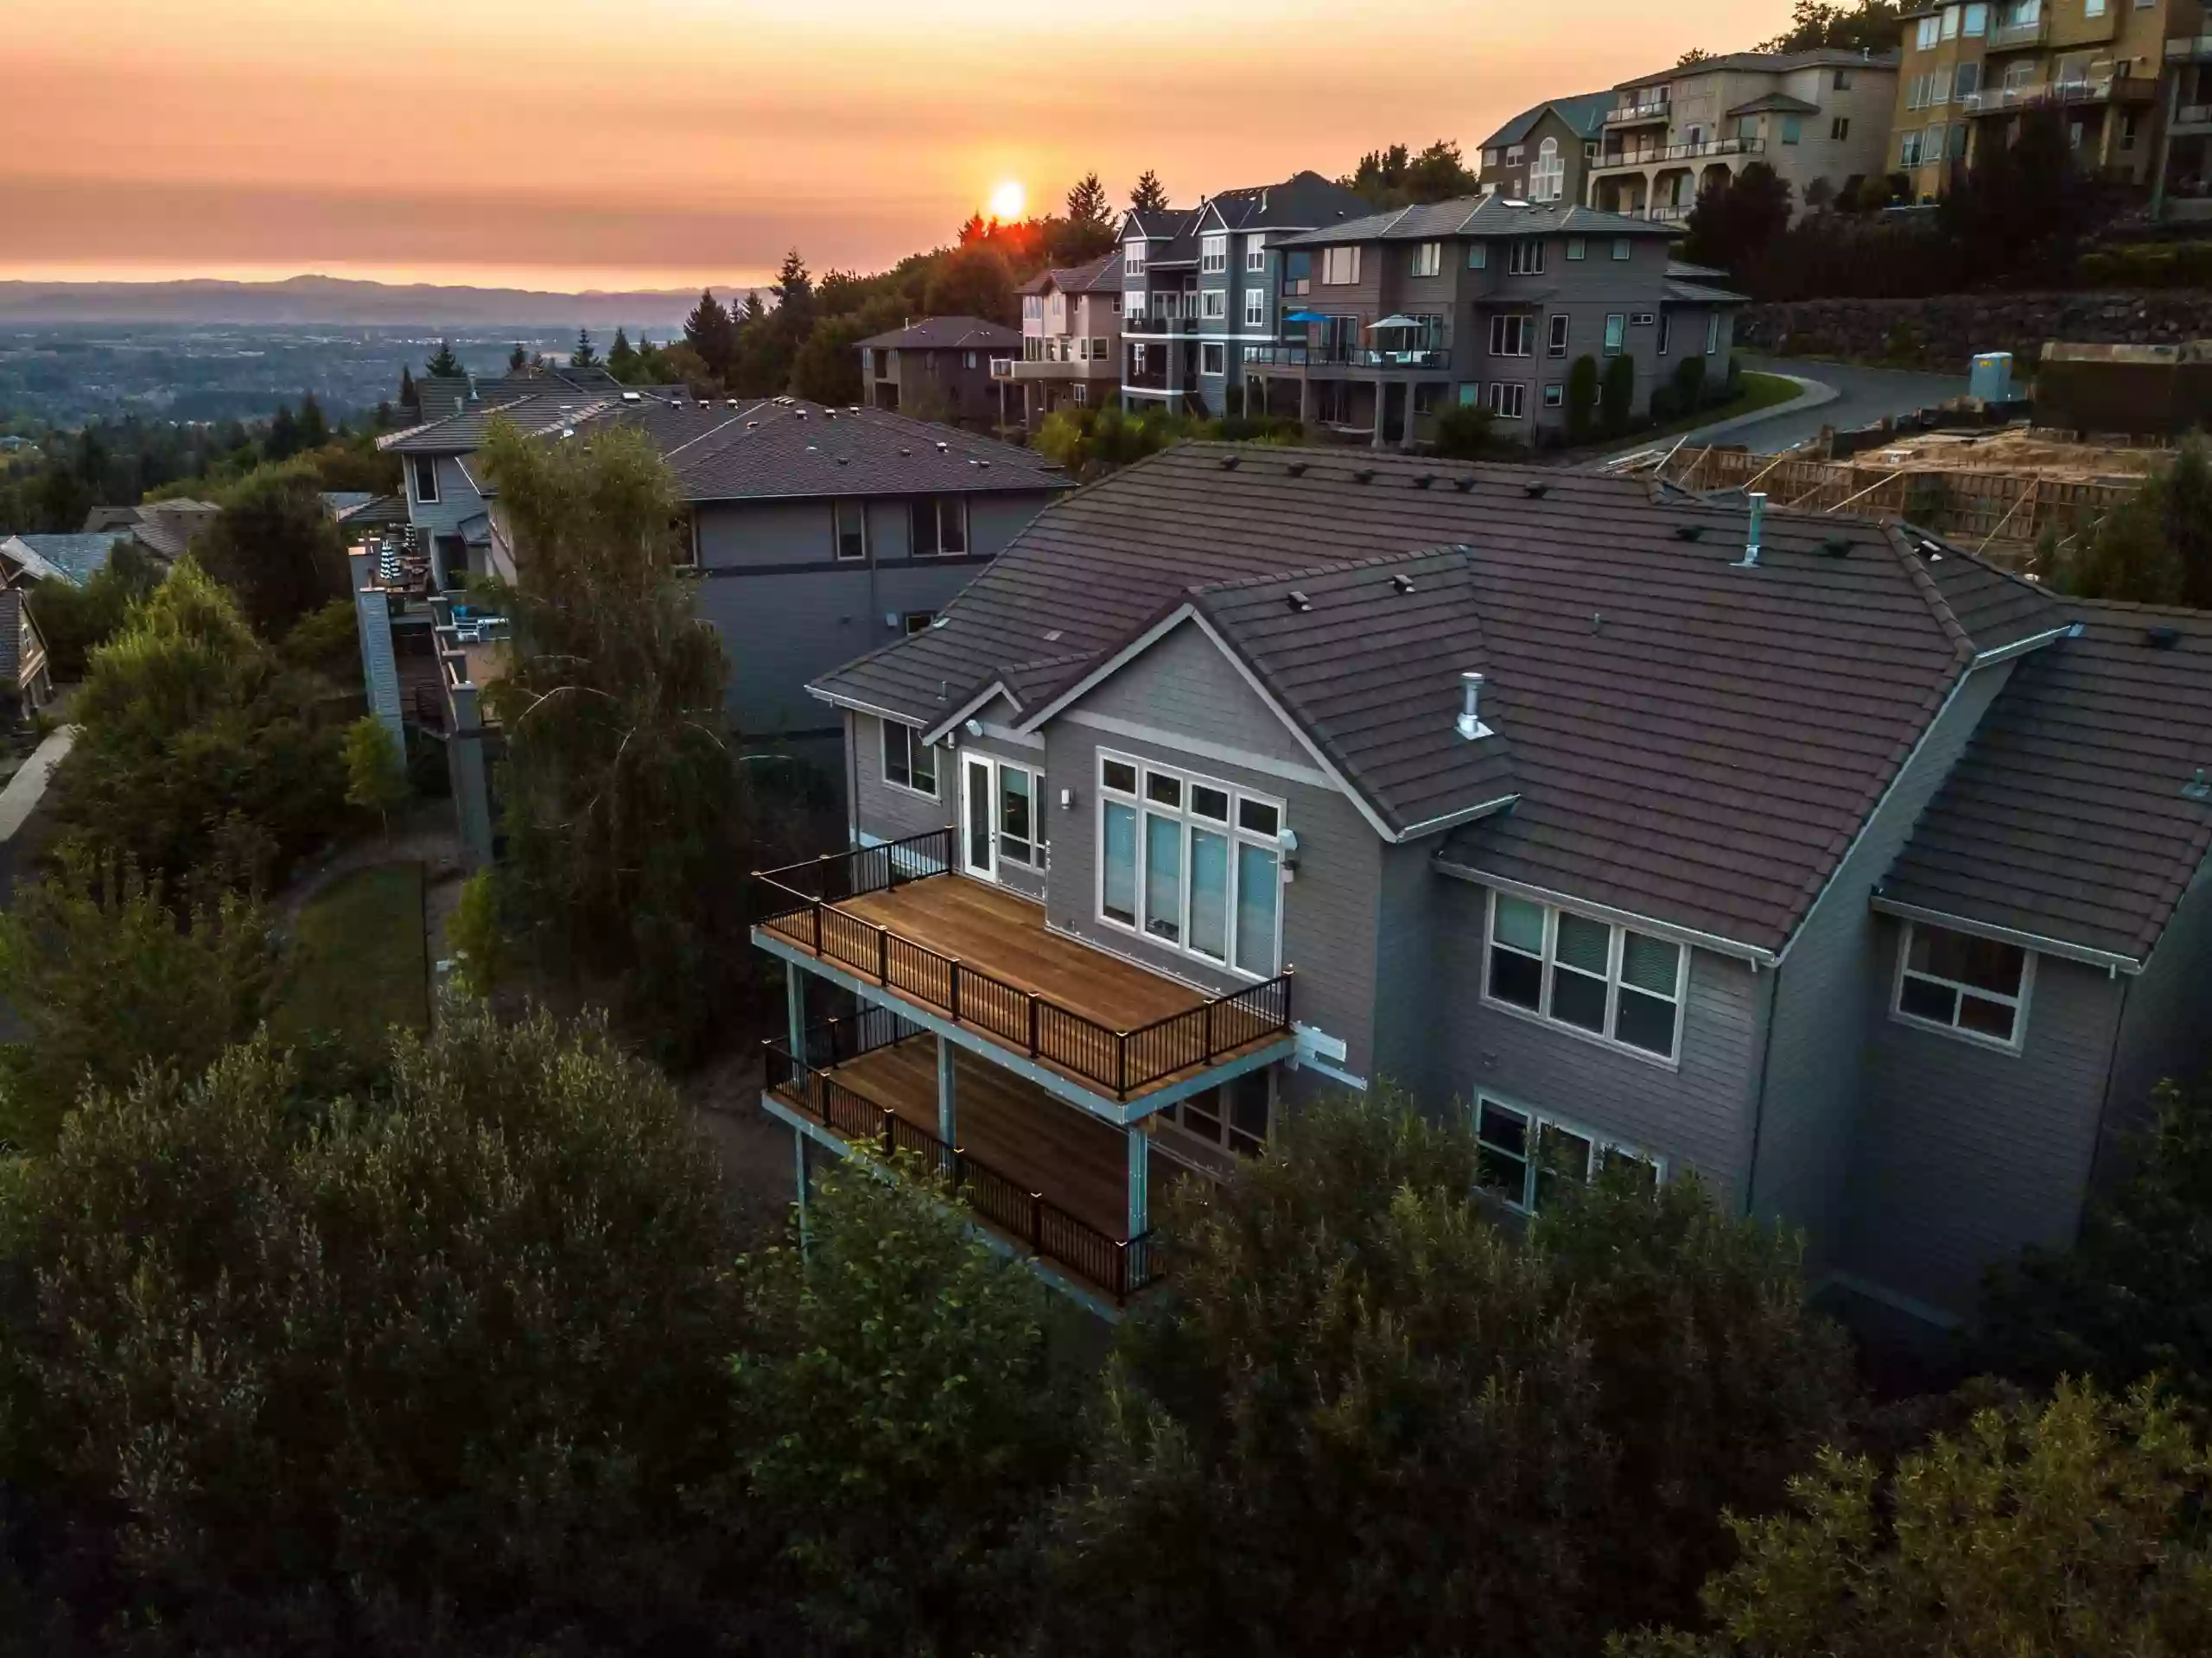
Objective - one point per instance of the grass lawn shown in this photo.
(1755, 392)
(360, 964)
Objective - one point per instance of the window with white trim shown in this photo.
(908, 763)
(1132, 258)
(1256, 255)
(1608, 981)
(1621, 246)
(1971, 986)
(425, 468)
(1478, 256)
(1616, 332)
(1509, 399)
(848, 527)
(1712, 333)
(1555, 394)
(1555, 343)
(1525, 258)
(1339, 267)
(940, 526)
(1548, 173)
(1578, 247)
(1427, 258)
(1213, 305)
(1512, 334)
(1525, 1157)
(1213, 255)
(1192, 864)
(1256, 307)
(1210, 356)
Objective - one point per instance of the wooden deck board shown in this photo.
(1015, 1126)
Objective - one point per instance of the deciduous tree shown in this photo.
(376, 772)
(973, 282)
(275, 547)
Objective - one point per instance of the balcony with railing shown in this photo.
(2106, 88)
(1649, 110)
(2189, 49)
(979, 961)
(1320, 358)
(1159, 327)
(1654, 155)
(2032, 31)
(1049, 1180)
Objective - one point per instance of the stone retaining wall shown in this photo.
(1943, 333)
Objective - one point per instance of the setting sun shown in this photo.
(1007, 202)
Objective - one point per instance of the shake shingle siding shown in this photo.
(1825, 992)
(1965, 1154)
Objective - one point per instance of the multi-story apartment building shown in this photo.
(2180, 183)
(943, 368)
(1198, 288)
(1544, 154)
(1813, 856)
(1070, 341)
(816, 533)
(1819, 119)
(1973, 73)
(1484, 299)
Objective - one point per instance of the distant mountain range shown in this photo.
(331, 300)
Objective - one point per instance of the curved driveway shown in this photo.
(1863, 397)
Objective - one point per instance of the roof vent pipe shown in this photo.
(1469, 723)
(1751, 558)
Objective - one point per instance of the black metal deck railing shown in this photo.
(1119, 1267)
(800, 903)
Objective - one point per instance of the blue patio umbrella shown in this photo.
(1305, 316)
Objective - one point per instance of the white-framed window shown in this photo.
(908, 763)
(1509, 399)
(1192, 864)
(2093, 8)
(1621, 246)
(1211, 357)
(1616, 332)
(1967, 986)
(1547, 175)
(1950, 28)
(1256, 255)
(1213, 255)
(1234, 1115)
(1489, 156)
(1032, 307)
(1524, 1157)
(1555, 340)
(1512, 334)
(1839, 128)
(1213, 305)
(1079, 392)
(1477, 256)
(1939, 87)
(424, 470)
(1642, 319)
(1929, 33)
(968, 360)
(940, 526)
(1427, 259)
(1513, 154)
(1256, 307)
(1339, 267)
(1525, 258)
(1712, 333)
(1909, 149)
(1132, 258)
(1608, 982)
(1555, 394)
(848, 529)
(1578, 247)
(1001, 815)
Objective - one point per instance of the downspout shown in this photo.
(852, 779)
(2104, 1106)
(1759, 1099)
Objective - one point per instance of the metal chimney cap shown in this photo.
(1469, 724)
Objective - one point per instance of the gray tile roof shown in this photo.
(1779, 63)
(1690, 293)
(1688, 740)
(439, 397)
(1776, 104)
(463, 433)
(786, 448)
(72, 559)
(1304, 200)
(1584, 111)
(1478, 216)
(948, 333)
(1099, 277)
(2065, 818)
(376, 510)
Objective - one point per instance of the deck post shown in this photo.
(947, 1128)
(794, 1010)
(1140, 1181)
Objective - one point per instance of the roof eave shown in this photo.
(1756, 955)
(2088, 955)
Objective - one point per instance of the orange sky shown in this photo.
(580, 143)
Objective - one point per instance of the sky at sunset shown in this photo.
(616, 143)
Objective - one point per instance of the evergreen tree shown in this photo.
(410, 398)
(518, 359)
(756, 308)
(314, 431)
(443, 365)
(1150, 195)
(709, 332)
(1087, 203)
(622, 357)
(794, 291)
(583, 356)
(283, 441)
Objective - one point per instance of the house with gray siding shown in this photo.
(1199, 292)
(1487, 299)
(1808, 855)
(942, 368)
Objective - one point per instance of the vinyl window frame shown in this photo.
(1037, 859)
(1213, 254)
(1425, 260)
(1512, 334)
(837, 510)
(911, 747)
(2015, 1044)
(1339, 267)
(1548, 966)
(1558, 329)
(1533, 1121)
(944, 509)
(1213, 305)
(1509, 399)
(422, 469)
(1255, 256)
(1213, 358)
(1256, 307)
(1230, 829)
(1524, 257)
(1616, 340)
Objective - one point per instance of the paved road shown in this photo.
(1865, 395)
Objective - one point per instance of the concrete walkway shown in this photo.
(1811, 394)
(28, 787)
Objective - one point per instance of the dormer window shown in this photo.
(1967, 986)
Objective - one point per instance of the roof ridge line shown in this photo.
(1963, 644)
(1336, 566)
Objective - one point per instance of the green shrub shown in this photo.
(1616, 396)
(1582, 397)
(477, 934)
(1464, 431)
(1689, 383)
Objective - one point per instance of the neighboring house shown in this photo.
(1070, 341)
(164, 529)
(1483, 300)
(938, 369)
(1859, 879)
(72, 560)
(26, 686)
(1819, 119)
(1201, 291)
(1971, 73)
(1544, 154)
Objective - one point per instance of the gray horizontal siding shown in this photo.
(2166, 1032)
(1185, 684)
(882, 811)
